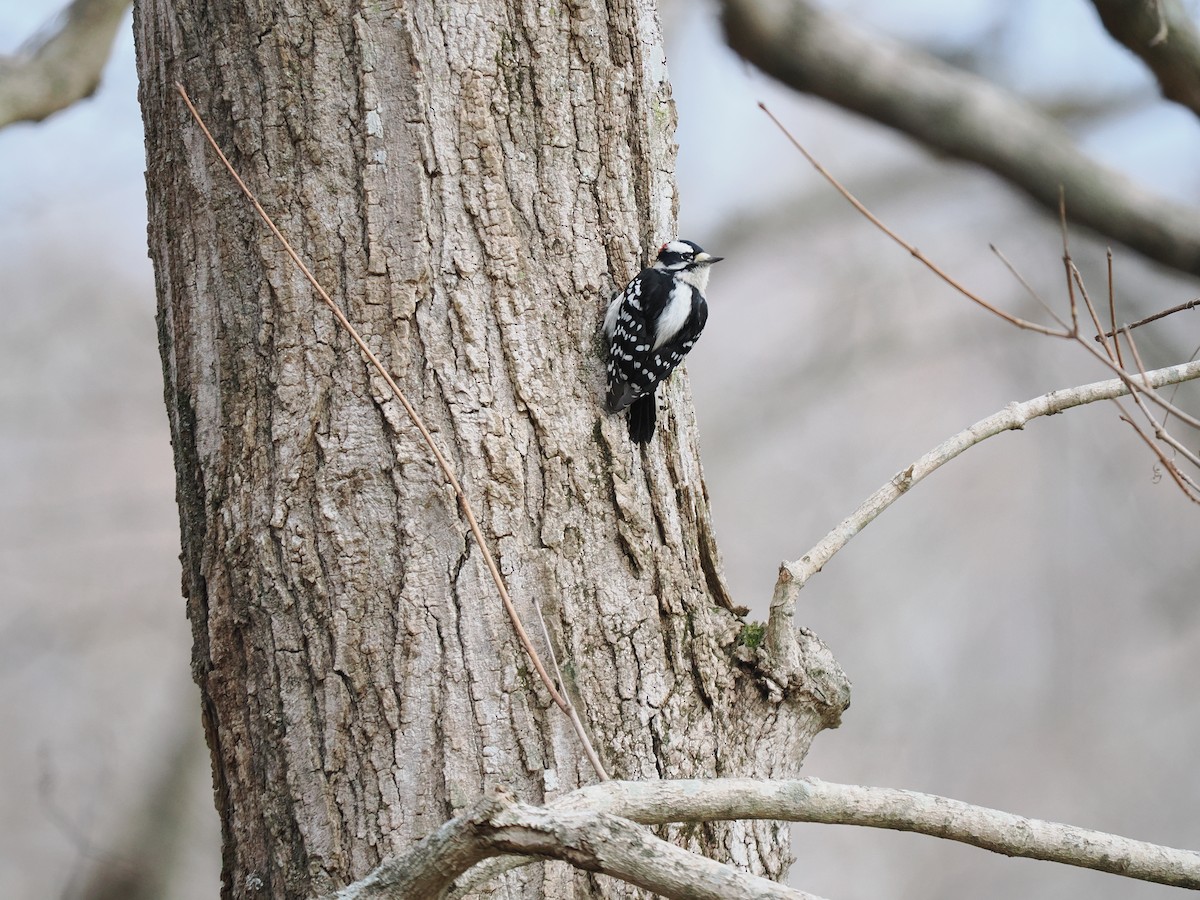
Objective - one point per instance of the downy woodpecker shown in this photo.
(651, 326)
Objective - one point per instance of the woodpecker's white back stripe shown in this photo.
(674, 314)
(651, 325)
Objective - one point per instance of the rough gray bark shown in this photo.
(469, 183)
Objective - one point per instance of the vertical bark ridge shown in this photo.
(470, 183)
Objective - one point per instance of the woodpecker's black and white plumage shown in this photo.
(651, 326)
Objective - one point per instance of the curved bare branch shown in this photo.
(959, 114)
(795, 574)
(593, 828)
(589, 839)
(812, 800)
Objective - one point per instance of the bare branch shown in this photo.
(1012, 270)
(593, 828)
(795, 574)
(1068, 265)
(959, 114)
(1191, 304)
(556, 694)
(593, 840)
(913, 251)
(62, 68)
(1112, 311)
(1071, 334)
(1164, 36)
(811, 800)
(1187, 485)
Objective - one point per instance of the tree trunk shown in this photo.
(469, 182)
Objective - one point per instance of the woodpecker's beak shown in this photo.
(707, 258)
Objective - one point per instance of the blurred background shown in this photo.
(1022, 629)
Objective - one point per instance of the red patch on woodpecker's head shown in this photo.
(663, 247)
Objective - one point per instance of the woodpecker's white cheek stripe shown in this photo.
(651, 325)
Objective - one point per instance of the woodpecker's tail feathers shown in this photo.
(641, 419)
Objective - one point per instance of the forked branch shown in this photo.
(589, 839)
(605, 815)
(795, 574)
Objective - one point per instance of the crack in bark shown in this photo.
(363, 562)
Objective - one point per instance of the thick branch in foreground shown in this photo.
(812, 800)
(62, 68)
(959, 114)
(1164, 36)
(795, 574)
(593, 828)
(593, 840)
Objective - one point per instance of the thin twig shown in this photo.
(1166, 437)
(1160, 431)
(1028, 287)
(1091, 307)
(1169, 407)
(1106, 358)
(1180, 479)
(917, 254)
(1175, 389)
(559, 697)
(1137, 357)
(1112, 311)
(975, 298)
(795, 574)
(1131, 381)
(1066, 258)
(1191, 304)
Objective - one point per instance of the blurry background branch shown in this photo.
(961, 114)
(1166, 39)
(62, 65)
